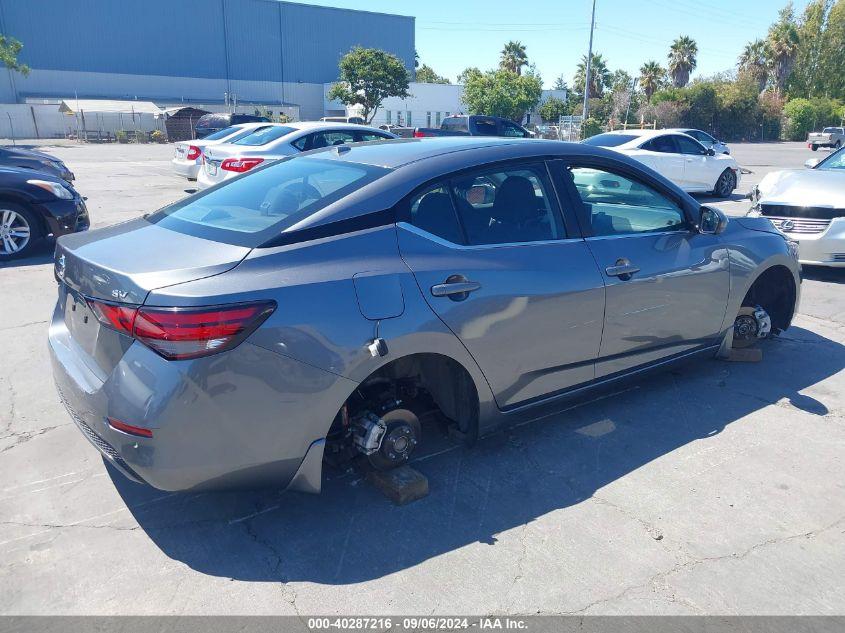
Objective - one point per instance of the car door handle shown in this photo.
(622, 269)
(455, 288)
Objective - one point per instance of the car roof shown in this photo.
(328, 125)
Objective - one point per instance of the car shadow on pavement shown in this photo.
(42, 253)
(824, 273)
(351, 533)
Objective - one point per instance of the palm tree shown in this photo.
(783, 41)
(754, 62)
(651, 76)
(599, 76)
(513, 57)
(682, 60)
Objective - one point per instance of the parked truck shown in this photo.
(474, 125)
(829, 137)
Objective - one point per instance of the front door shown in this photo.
(493, 259)
(667, 284)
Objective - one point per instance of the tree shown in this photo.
(513, 57)
(754, 62)
(560, 84)
(651, 76)
(553, 108)
(599, 75)
(502, 93)
(807, 78)
(426, 75)
(467, 73)
(9, 50)
(682, 60)
(783, 41)
(832, 55)
(368, 76)
(619, 80)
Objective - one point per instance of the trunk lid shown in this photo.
(123, 263)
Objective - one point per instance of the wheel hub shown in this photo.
(14, 232)
(745, 327)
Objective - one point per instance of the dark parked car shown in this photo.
(33, 206)
(474, 125)
(210, 123)
(38, 161)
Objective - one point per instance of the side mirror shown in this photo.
(711, 152)
(811, 163)
(711, 221)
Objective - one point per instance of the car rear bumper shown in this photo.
(187, 168)
(65, 216)
(242, 418)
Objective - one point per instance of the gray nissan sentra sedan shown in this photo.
(321, 306)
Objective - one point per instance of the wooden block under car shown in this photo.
(401, 485)
(746, 355)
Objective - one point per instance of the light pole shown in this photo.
(586, 107)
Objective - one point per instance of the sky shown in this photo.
(452, 35)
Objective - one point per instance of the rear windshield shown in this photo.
(609, 140)
(255, 207)
(830, 130)
(226, 131)
(263, 135)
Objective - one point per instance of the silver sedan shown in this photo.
(808, 205)
(324, 305)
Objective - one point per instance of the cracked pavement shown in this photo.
(713, 488)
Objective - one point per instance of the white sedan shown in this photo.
(277, 140)
(187, 155)
(677, 157)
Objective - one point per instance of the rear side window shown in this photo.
(455, 124)
(486, 127)
(432, 211)
(507, 206)
(253, 208)
(609, 140)
(662, 144)
(264, 135)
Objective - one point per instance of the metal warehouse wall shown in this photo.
(234, 40)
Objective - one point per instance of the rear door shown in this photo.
(496, 262)
(667, 284)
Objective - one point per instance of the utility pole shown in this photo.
(586, 107)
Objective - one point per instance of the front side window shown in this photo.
(250, 210)
(689, 146)
(618, 205)
(263, 135)
(507, 206)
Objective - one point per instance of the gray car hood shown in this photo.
(805, 187)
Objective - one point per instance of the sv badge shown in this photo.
(119, 294)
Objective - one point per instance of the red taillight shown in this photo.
(182, 333)
(240, 165)
(194, 152)
(128, 428)
(418, 134)
(118, 317)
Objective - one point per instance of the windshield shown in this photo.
(226, 131)
(263, 135)
(251, 209)
(610, 140)
(834, 161)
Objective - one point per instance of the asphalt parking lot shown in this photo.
(716, 488)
